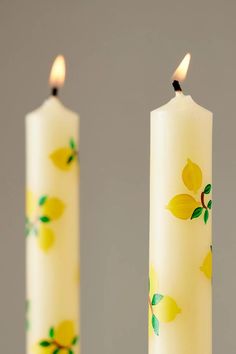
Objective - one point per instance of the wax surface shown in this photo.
(180, 303)
(52, 229)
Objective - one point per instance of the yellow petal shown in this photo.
(63, 351)
(45, 237)
(61, 157)
(152, 281)
(167, 309)
(182, 206)
(206, 267)
(31, 204)
(53, 208)
(192, 176)
(65, 333)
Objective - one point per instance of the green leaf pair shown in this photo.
(198, 212)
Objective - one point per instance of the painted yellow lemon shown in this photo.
(62, 158)
(65, 333)
(192, 176)
(45, 237)
(53, 208)
(167, 309)
(206, 267)
(31, 204)
(182, 206)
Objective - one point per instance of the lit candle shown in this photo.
(52, 225)
(180, 225)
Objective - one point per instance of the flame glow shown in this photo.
(181, 72)
(58, 71)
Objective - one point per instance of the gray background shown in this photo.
(120, 56)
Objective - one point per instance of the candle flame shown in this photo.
(58, 71)
(181, 72)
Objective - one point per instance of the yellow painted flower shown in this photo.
(167, 309)
(45, 237)
(182, 206)
(40, 213)
(206, 266)
(53, 208)
(61, 339)
(61, 157)
(192, 176)
(65, 157)
(65, 333)
(162, 308)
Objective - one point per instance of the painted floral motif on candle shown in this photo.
(162, 308)
(206, 266)
(61, 339)
(65, 157)
(40, 213)
(186, 206)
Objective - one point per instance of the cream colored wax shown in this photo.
(180, 229)
(52, 229)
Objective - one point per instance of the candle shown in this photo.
(52, 230)
(180, 225)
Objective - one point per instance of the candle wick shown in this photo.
(54, 91)
(176, 86)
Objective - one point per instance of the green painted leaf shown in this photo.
(44, 218)
(45, 343)
(209, 205)
(51, 332)
(206, 216)
(42, 200)
(197, 212)
(70, 159)
(75, 340)
(156, 299)
(72, 143)
(155, 325)
(56, 351)
(70, 351)
(207, 189)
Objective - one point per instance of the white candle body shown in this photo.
(180, 247)
(52, 182)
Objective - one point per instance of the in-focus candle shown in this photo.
(180, 303)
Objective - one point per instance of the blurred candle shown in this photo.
(180, 225)
(52, 224)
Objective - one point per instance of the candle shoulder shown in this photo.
(50, 108)
(181, 103)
